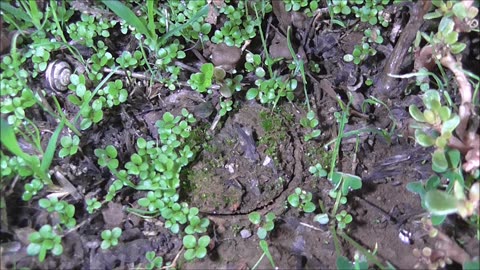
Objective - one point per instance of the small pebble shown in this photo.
(245, 233)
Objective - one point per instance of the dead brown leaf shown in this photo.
(225, 56)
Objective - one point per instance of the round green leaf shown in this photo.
(348, 58)
(451, 124)
(189, 241)
(459, 10)
(116, 232)
(45, 231)
(141, 143)
(66, 141)
(309, 207)
(44, 203)
(105, 244)
(458, 47)
(423, 139)
(440, 203)
(111, 151)
(439, 161)
(260, 72)
(113, 242)
(144, 202)
(204, 241)
(57, 250)
(200, 252)
(33, 249)
(261, 233)
(189, 254)
(70, 210)
(252, 93)
(321, 218)
(106, 234)
(294, 200)
(416, 113)
(35, 237)
(270, 217)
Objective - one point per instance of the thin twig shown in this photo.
(311, 227)
(174, 262)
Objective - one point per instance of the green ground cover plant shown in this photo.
(110, 237)
(43, 241)
(166, 36)
(195, 248)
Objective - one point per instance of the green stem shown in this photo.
(338, 141)
(300, 65)
(370, 257)
(337, 202)
(264, 43)
(336, 243)
(99, 86)
(258, 262)
(146, 60)
(64, 118)
(57, 23)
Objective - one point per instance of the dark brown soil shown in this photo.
(242, 165)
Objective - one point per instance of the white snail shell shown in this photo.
(57, 75)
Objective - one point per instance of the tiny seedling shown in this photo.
(110, 237)
(64, 210)
(343, 218)
(43, 241)
(92, 205)
(302, 200)
(226, 106)
(175, 214)
(32, 189)
(129, 61)
(69, 145)
(196, 224)
(153, 201)
(360, 53)
(264, 226)
(310, 122)
(341, 7)
(317, 170)
(154, 262)
(203, 80)
(194, 248)
(107, 157)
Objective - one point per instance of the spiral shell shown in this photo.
(57, 75)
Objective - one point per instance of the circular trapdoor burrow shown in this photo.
(245, 166)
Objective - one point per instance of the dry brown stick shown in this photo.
(469, 137)
(385, 83)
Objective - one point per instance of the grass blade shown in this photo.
(52, 145)
(127, 14)
(15, 12)
(200, 13)
(264, 247)
(9, 140)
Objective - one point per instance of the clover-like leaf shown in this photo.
(351, 182)
(189, 241)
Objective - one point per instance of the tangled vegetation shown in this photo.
(70, 71)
